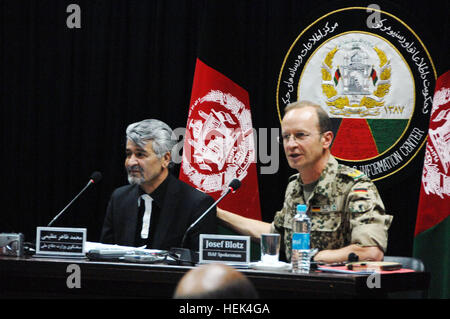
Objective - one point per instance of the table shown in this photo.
(22, 277)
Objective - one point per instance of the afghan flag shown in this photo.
(432, 233)
(374, 76)
(219, 142)
(337, 76)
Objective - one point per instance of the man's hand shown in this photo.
(372, 253)
(243, 225)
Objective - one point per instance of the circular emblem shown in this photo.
(373, 76)
(220, 141)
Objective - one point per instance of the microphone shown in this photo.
(232, 187)
(183, 255)
(95, 178)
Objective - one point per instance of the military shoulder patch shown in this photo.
(351, 172)
(356, 174)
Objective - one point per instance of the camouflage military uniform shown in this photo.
(345, 208)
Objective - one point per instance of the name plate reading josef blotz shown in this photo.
(60, 241)
(224, 249)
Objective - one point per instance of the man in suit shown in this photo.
(156, 208)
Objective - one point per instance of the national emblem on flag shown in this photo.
(219, 142)
(432, 233)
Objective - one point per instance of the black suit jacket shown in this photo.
(182, 205)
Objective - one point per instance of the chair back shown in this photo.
(408, 263)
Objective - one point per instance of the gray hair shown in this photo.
(140, 133)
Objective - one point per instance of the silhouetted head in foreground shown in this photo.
(215, 281)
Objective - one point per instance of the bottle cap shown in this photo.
(301, 208)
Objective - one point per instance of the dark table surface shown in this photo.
(48, 277)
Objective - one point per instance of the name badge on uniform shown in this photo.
(323, 208)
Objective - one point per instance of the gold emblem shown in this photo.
(354, 88)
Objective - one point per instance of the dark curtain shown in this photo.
(67, 95)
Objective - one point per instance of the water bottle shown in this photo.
(301, 227)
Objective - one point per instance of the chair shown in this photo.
(408, 263)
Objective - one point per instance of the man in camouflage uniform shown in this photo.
(345, 208)
(347, 213)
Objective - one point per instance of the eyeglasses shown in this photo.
(298, 137)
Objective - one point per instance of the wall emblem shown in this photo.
(374, 80)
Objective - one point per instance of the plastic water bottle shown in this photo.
(301, 227)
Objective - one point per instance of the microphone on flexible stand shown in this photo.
(185, 253)
(233, 186)
(95, 178)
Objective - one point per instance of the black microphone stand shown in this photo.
(185, 254)
(68, 205)
(203, 215)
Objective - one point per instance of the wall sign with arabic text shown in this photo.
(375, 81)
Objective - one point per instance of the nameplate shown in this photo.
(224, 249)
(60, 241)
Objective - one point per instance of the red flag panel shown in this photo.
(219, 142)
(434, 201)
